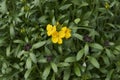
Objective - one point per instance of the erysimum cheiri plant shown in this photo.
(58, 35)
(84, 45)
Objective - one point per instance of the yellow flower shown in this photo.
(57, 37)
(67, 32)
(50, 29)
(107, 6)
(22, 30)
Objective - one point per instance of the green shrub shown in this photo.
(88, 49)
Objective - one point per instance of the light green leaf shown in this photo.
(12, 32)
(80, 54)
(3, 7)
(117, 47)
(80, 37)
(8, 51)
(106, 60)
(109, 54)
(77, 70)
(27, 73)
(70, 59)
(84, 4)
(38, 44)
(33, 57)
(77, 20)
(63, 64)
(96, 46)
(67, 74)
(53, 76)
(109, 74)
(46, 72)
(18, 41)
(94, 61)
(54, 67)
(86, 49)
(64, 7)
(28, 63)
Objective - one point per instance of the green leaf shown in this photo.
(83, 4)
(106, 60)
(3, 7)
(109, 74)
(77, 20)
(33, 57)
(64, 7)
(27, 73)
(117, 47)
(54, 67)
(94, 61)
(53, 77)
(87, 15)
(80, 54)
(8, 51)
(18, 41)
(46, 72)
(28, 63)
(70, 59)
(110, 54)
(60, 49)
(63, 64)
(67, 74)
(77, 70)
(86, 49)
(80, 37)
(47, 51)
(38, 44)
(76, 2)
(96, 46)
(12, 32)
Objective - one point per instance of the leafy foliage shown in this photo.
(91, 53)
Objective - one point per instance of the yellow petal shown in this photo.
(61, 34)
(68, 35)
(54, 39)
(68, 30)
(55, 34)
(49, 33)
(49, 27)
(59, 41)
(64, 28)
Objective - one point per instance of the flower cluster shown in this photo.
(58, 35)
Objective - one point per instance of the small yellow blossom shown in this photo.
(57, 37)
(22, 30)
(107, 6)
(58, 34)
(67, 32)
(50, 29)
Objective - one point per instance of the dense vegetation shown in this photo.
(59, 40)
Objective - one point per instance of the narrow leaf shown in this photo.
(94, 61)
(70, 59)
(54, 67)
(77, 70)
(27, 73)
(79, 54)
(28, 63)
(96, 46)
(33, 57)
(38, 44)
(46, 72)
